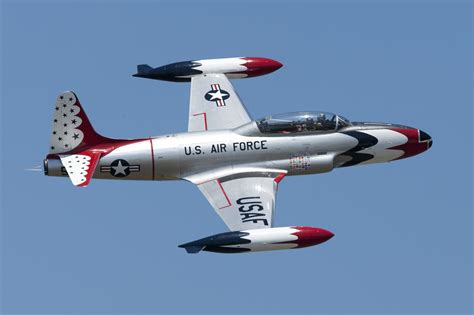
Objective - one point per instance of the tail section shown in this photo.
(72, 129)
(75, 147)
(74, 140)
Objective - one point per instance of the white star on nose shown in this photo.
(119, 169)
(217, 95)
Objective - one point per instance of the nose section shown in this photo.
(325, 235)
(417, 141)
(309, 236)
(424, 137)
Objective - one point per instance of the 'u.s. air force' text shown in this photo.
(222, 147)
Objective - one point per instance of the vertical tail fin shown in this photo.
(71, 127)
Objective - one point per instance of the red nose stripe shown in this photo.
(309, 236)
(259, 66)
(412, 146)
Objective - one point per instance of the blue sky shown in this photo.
(403, 241)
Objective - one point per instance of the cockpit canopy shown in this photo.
(304, 122)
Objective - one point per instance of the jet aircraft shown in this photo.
(235, 161)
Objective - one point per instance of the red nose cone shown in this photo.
(309, 236)
(418, 141)
(259, 66)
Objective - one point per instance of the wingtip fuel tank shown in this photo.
(234, 68)
(260, 240)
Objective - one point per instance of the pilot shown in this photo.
(321, 121)
(263, 125)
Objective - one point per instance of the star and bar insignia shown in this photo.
(217, 95)
(119, 168)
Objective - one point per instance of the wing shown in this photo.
(80, 167)
(214, 104)
(244, 200)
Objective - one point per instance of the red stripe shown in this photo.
(226, 197)
(205, 119)
(279, 178)
(152, 160)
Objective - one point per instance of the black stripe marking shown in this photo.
(225, 250)
(364, 141)
(216, 243)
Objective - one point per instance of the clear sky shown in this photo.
(403, 241)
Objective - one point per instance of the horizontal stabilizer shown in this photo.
(80, 167)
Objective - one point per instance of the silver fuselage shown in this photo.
(212, 153)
